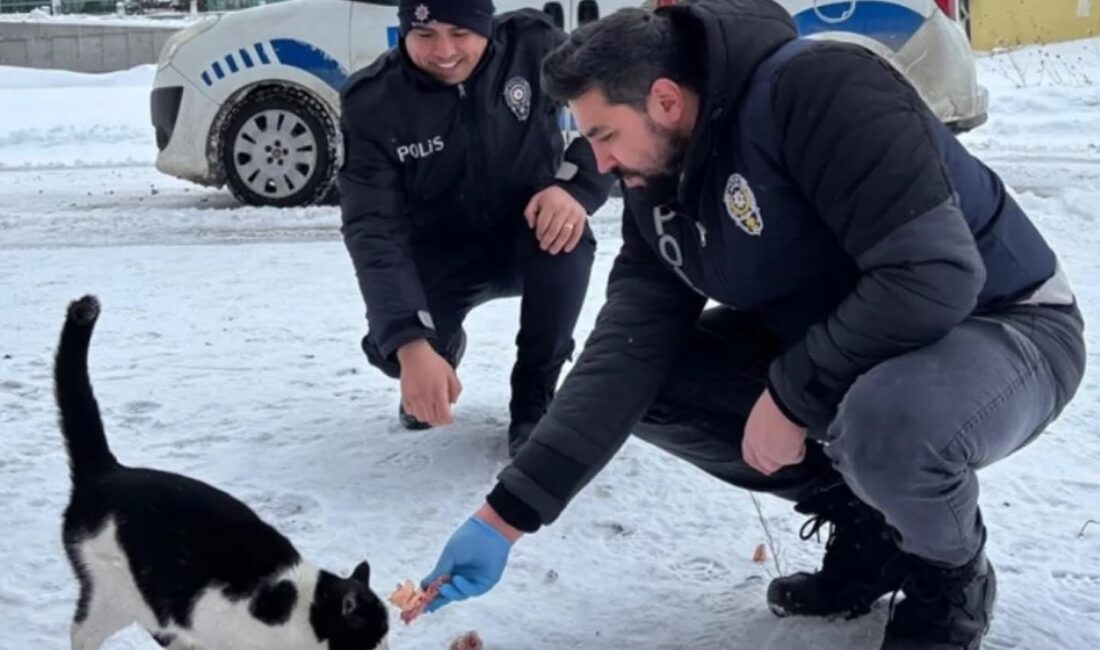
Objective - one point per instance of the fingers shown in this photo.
(437, 602)
(766, 464)
(550, 237)
(547, 220)
(465, 587)
(458, 589)
(769, 466)
(801, 455)
(442, 568)
(567, 226)
(441, 405)
(416, 408)
(574, 237)
(756, 460)
(561, 237)
(448, 591)
(434, 410)
(748, 454)
(454, 387)
(531, 212)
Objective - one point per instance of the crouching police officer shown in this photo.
(456, 189)
(889, 320)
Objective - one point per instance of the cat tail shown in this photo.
(81, 424)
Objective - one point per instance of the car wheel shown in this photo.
(278, 147)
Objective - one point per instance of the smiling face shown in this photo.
(446, 52)
(638, 145)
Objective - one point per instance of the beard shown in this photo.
(668, 157)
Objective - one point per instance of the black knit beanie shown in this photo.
(474, 15)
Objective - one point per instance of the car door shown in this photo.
(373, 30)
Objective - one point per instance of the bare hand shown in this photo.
(771, 441)
(557, 218)
(429, 384)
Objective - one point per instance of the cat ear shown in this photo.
(362, 573)
(349, 604)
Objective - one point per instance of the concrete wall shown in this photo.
(1010, 23)
(79, 47)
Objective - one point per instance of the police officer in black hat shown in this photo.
(457, 188)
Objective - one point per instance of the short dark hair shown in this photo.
(621, 55)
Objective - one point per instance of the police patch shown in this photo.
(422, 13)
(741, 205)
(517, 94)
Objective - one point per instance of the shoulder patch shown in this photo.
(517, 95)
(741, 205)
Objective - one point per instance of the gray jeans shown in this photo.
(910, 434)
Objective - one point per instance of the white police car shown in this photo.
(250, 99)
(925, 39)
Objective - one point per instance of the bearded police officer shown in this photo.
(456, 189)
(891, 320)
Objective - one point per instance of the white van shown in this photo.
(250, 99)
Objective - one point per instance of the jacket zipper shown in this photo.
(481, 187)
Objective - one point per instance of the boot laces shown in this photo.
(852, 564)
(934, 598)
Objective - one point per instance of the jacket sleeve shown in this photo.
(579, 176)
(635, 342)
(377, 234)
(857, 139)
(578, 173)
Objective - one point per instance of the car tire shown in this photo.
(278, 148)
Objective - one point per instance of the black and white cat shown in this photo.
(191, 564)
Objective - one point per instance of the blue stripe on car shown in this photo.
(289, 52)
(310, 59)
(890, 24)
(262, 54)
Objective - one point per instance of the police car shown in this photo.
(250, 99)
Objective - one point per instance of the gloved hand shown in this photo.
(472, 562)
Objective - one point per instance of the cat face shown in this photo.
(347, 614)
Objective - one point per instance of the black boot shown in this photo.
(453, 356)
(532, 391)
(944, 608)
(862, 561)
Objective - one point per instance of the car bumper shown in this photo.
(182, 116)
(939, 62)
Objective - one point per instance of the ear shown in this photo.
(362, 573)
(666, 104)
(349, 604)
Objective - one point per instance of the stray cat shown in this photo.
(191, 564)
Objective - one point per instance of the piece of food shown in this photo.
(760, 555)
(412, 600)
(468, 641)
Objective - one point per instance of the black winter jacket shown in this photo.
(427, 162)
(820, 194)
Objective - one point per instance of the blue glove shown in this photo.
(472, 561)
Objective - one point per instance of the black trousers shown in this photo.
(458, 277)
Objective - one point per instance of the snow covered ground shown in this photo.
(228, 350)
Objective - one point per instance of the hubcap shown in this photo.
(275, 153)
